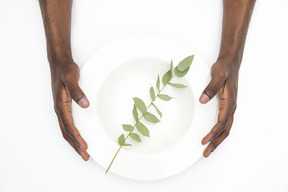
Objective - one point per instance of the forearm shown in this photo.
(56, 16)
(236, 18)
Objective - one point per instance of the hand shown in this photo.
(65, 76)
(224, 82)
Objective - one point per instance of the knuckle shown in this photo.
(213, 145)
(222, 74)
(220, 71)
(71, 131)
(67, 76)
(71, 73)
(221, 126)
(68, 129)
(65, 136)
(213, 90)
(232, 103)
(56, 109)
(57, 101)
(235, 107)
(226, 134)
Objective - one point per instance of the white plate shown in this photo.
(126, 68)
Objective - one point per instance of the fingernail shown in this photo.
(204, 98)
(84, 103)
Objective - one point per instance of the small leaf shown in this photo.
(151, 118)
(152, 93)
(135, 113)
(128, 127)
(142, 129)
(158, 83)
(140, 104)
(166, 77)
(179, 73)
(171, 68)
(165, 97)
(121, 141)
(158, 111)
(177, 85)
(185, 63)
(135, 137)
(126, 144)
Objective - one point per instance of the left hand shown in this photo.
(224, 82)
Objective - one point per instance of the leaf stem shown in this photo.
(136, 123)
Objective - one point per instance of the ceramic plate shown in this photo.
(126, 68)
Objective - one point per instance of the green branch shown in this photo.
(180, 70)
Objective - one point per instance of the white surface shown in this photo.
(35, 157)
(129, 71)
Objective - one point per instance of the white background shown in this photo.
(35, 157)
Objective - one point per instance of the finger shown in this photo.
(63, 109)
(217, 141)
(71, 84)
(226, 108)
(69, 127)
(223, 119)
(217, 81)
(83, 153)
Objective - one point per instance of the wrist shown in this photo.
(58, 55)
(58, 63)
(231, 59)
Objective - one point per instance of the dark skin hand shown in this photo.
(56, 16)
(224, 73)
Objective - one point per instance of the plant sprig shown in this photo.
(139, 105)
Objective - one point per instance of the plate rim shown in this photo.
(111, 43)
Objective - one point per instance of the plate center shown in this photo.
(133, 78)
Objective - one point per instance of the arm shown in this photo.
(64, 71)
(236, 18)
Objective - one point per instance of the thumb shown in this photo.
(75, 91)
(217, 81)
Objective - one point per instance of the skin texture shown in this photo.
(56, 16)
(225, 71)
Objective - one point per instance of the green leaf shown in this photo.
(166, 77)
(135, 137)
(179, 73)
(171, 68)
(151, 118)
(140, 104)
(177, 85)
(135, 113)
(158, 83)
(185, 63)
(152, 93)
(142, 129)
(126, 144)
(121, 140)
(128, 127)
(165, 97)
(158, 111)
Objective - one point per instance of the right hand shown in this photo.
(65, 76)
